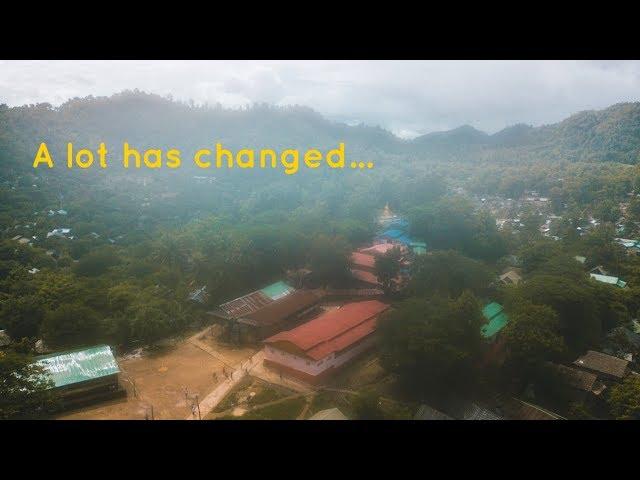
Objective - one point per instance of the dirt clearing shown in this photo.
(160, 380)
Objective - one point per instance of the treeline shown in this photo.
(151, 121)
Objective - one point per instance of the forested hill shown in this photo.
(610, 135)
(150, 121)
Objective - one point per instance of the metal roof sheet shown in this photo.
(76, 366)
(363, 260)
(496, 324)
(277, 290)
(492, 309)
(333, 331)
(608, 279)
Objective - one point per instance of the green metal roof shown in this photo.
(66, 368)
(496, 317)
(492, 309)
(419, 244)
(277, 290)
(496, 324)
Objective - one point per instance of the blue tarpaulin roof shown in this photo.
(404, 239)
(392, 233)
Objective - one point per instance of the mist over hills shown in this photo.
(151, 121)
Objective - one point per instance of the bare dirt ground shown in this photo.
(162, 378)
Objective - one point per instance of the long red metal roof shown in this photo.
(363, 260)
(366, 277)
(378, 249)
(333, 331)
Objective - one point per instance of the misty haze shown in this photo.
(475, 258)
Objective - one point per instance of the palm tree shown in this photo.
(169, 250)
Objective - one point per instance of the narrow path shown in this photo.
(307, 406)
(253, 366)
(211, 401)
(195, 341)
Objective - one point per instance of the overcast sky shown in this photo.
(406, 97)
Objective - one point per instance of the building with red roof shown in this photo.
(366, 278)
(363, 261)
(363, 270)
(313, 350)
(382, 249)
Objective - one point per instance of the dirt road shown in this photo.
(165, 384)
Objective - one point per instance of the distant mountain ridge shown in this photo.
(612, 134)
(151, 121)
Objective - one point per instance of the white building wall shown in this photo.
(309, 366)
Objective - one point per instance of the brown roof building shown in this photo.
(517, 409)
(510, 278)
(277, 316)
(579, 379)
(606, 366)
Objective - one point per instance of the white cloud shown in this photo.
(407, 97)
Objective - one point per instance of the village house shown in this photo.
(510, 277)
(363, 261)
(363, 265)
(585, 386)
(631, 246)
(365, 279)
(252, 301)
(380, 249)
(363, 270)
(496, 320)
(199, 295)
(615, 281)
(84, 376)
(276, 316)
(59, 232)
(231, 311)
(314, 350)
(606, 367)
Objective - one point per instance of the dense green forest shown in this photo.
(140, 240)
